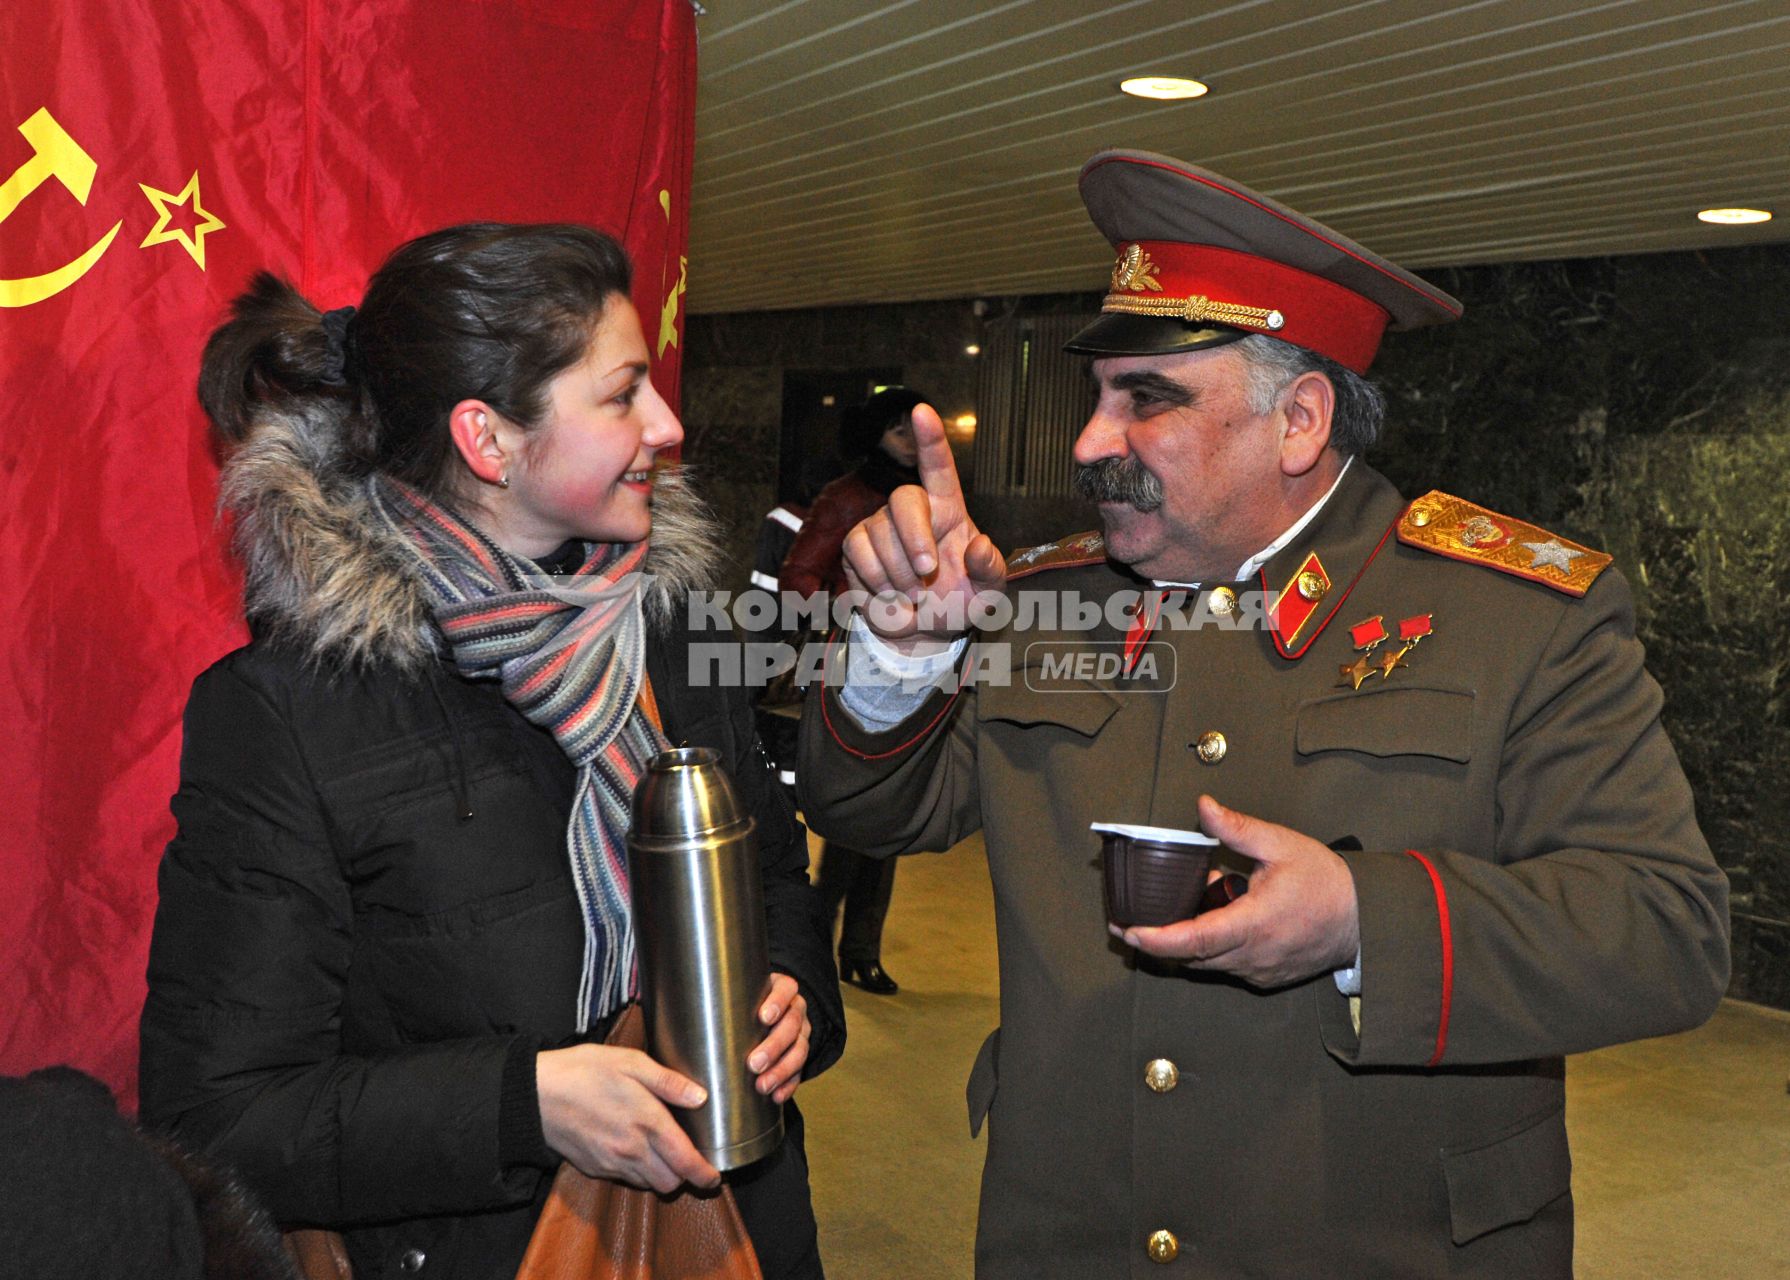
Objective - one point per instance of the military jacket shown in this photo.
(1530, 877)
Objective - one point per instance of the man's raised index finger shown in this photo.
(938, 469)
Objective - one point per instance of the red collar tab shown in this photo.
(1299, 599)
(1143, 625)
(1204, 284)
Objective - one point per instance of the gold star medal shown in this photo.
(1410, 631)
(1366, 637)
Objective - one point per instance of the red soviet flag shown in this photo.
(152, 157)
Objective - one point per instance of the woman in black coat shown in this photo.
(394, 922)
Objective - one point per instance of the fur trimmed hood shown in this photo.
(324, 573)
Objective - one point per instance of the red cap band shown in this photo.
(1202, 283)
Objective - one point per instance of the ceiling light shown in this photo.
(972, 350)
(1162, 87)
(1734, 217)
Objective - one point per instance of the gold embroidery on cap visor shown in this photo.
(1135, 272)
(1198, 310)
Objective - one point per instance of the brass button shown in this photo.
(1211, 747)
(1222, 601)
(1312, 586)
(1163, 1246)
(1161, 1075)
(1421, 516)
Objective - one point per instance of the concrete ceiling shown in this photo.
(851, 152)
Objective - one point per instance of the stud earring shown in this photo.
(503, 481)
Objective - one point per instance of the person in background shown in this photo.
(86, 1195)
(394, 923)
(776, 706)
(881, 432)
(1423, 728)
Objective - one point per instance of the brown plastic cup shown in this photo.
(1153, 875)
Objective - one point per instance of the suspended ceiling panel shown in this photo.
(852, 152)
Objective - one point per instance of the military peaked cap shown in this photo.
(1203, 261)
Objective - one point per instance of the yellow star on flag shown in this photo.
(192, 241)
(668, 312)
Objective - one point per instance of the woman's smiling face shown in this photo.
(586, 470)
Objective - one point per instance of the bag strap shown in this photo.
(649, 703)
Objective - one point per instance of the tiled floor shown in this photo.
(1681, 1146)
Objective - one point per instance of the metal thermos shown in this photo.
(705, 967)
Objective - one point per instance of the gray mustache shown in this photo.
(1124, 480)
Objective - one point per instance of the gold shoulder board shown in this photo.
(1462, 530)
(1079, 548)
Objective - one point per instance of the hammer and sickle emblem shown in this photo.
(58, 156)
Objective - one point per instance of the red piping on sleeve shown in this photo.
(826, 713)
(1447, 955)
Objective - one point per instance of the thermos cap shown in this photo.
(684, 793)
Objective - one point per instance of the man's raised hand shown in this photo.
(921, 555)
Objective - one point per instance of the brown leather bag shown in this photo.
(318, 1254)
(596, 1229)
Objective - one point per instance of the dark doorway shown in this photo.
(813, 400)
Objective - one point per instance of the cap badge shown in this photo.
(1135, 271)
(1369, 635)
(1298, 600)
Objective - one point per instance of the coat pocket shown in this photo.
(984, 1077)
(1399, 720)
(1508, 1179)
(1079, 705)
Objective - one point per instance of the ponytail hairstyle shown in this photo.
(484, 311)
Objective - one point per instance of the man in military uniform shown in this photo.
(1422, 728)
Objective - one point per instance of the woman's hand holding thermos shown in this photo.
(778, 1060)
(604, 1108)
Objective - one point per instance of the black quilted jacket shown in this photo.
(349, 980)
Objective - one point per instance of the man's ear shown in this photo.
(477, 431)
(1308, 403)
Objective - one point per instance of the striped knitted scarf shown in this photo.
(571, 655)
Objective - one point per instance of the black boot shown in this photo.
(870, 975)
